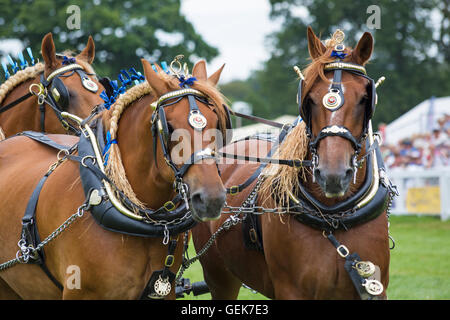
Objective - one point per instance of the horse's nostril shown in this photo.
(318, 174)
(197, 201)
(348, 174)
(207, 206)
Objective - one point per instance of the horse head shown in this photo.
(185, 119)
(337, 103)
(70, 80)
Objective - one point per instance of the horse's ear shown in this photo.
(315, 47)
(49, 52)
(214, 78)
(88, 53)
(153, 79)
(199, 70)
(363, 49)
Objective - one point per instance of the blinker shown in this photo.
(56, 94)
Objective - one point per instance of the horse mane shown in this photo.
(280, 180)
(114, 168)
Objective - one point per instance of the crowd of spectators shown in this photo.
(428, 150)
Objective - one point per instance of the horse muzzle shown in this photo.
(206, 205)
(334, 184)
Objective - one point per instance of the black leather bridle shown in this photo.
(160, 129)
(52, 91)
(334, 100)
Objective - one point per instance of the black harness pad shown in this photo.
(252, 232)
(108, 216)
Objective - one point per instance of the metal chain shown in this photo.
(226, 225)
(24, 252)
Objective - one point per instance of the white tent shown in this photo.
(420, 119)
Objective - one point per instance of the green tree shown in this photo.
(412, 49)
(123, 31)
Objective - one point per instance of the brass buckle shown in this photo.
(343, 253)
(234, 190)
(169, 206)
(298, 163)
(170, 259)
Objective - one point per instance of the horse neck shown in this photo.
(316, 191)
(23, 116)
(135, 142)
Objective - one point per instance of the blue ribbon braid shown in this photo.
(340, 55)
(109, 142)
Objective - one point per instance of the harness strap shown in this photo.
(30, 232)
(238, 188)
(164, 275)
(367, 289)
(260, 120)
(16, 102)
(44, 139)
(42, 110)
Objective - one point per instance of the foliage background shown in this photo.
(412, 47)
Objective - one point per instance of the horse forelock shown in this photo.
(315, 70)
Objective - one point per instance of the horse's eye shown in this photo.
(364, 100)
(170, 128)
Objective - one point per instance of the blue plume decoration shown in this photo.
(23, 62)
(30, 54)
(164, 66)
(126, 78)
(5, 69)
(14, 65)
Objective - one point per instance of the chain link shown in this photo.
(25, 252)
(226, 225)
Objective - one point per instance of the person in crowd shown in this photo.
(429, 150)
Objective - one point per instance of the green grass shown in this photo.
(194, 273)
(420, 261)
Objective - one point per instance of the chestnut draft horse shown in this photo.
(34, 97)
(329, 236)
(122, 249)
